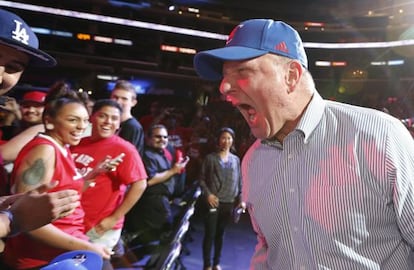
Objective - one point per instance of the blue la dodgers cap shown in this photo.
(15, 33)
(251, 39)
(76, 260)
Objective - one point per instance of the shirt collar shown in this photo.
(156, 150)
(312, 116)
(309, 120)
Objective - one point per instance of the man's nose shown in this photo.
(2, 70)
(108, 120)
(225, 87)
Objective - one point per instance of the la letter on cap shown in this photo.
(20, 33)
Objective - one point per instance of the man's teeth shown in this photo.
(252, 114)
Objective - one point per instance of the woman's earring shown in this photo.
(49, 126)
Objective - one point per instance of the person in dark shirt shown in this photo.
(130, 129)
(152, 213)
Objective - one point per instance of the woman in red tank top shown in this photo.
(44, 159)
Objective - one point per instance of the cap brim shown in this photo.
(209, 64)
(27, 101)
(67, 264)
(38, 58)
(88, 259)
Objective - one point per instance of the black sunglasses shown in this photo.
(160, 136)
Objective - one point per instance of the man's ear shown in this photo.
(134, 102)
(294, 73)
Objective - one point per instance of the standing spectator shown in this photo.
(327, 185)
(19, 48)
(220, 180)
(152, 213)
(44, 159)
(104, 217)
(131, 130)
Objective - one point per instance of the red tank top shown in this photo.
(24, 252)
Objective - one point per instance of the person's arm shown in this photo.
(167, 174)
(106, 165)
(54, 205)
(5, 225)
(10, 149)
(132, 195)
(206, 167)
(54, 237)
(37, 168)
(203, 175)
(13, 111)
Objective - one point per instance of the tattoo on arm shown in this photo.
(35, 173)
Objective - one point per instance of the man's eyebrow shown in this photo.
(20, 63)
(17, 61)
(24, 64)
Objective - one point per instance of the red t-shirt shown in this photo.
(102, 199)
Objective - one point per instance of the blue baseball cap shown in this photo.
(248, 40)
(15, 33)
(67, 264)
(76, 260)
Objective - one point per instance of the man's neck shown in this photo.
(126, 116)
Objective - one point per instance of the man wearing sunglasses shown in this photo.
(152, 214)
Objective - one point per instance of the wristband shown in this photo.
(13, 228)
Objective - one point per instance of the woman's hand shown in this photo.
(101, 250)
(105, 225)
(108, 164)
(213, 201)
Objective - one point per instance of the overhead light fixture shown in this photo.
(322, 63)
(170, 48)
(106, 77)
(39, 30)
(395, 62)
(330, 63)
(103, 39)
(62, 33)
(193, 10)
(126, 42)
(83, 36)
(388, 63)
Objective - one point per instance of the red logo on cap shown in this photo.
(233, 32)
(282, 47)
